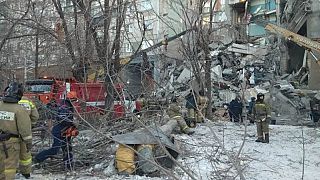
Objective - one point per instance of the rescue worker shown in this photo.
(315, 109)
(15, 129)
(202, 106)
(25, 162)
(235, 110)
(174, 112)
(191, 108)
(251, 105)
(261, 113)
(61, 137)
(140, 105)
(52, 107)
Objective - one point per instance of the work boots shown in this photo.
(188, 131)
(27, 176)
(266, 138)
(191, 122)
(260, 139)
(184, 127)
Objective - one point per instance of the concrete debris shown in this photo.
(185, 75)
(248, 49)
(256, 65)
(284, 85)
(110, 170)
(226, 40)
(216, 73)
(317, 96)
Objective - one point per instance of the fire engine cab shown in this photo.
(90, 96)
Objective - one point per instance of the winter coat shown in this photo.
(235, 107)
(15, 120)
(191, 101)
(64, 116)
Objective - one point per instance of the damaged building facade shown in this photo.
(298, 16)
(274, 58)
(271, 62)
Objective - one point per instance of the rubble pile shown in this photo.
(258, 66)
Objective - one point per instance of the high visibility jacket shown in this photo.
(31, 109)
(15, 120)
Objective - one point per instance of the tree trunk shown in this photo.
(208, 65)
(77, 71)
(36, 61)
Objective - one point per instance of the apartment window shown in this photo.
(95, 11)
(146, 44)
(145, 5)
(128, 47)
(206, 9)
(129, 28)
(131, 9)
(100, 34)
(148, 24)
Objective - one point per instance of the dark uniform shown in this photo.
(315, 110)
(262, 115)
(191, 108)
(250, 109)
(15, 129)
(64, 121)
(235, 110)
(25, 162)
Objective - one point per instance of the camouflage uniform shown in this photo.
(174, 112)
(25, 162)
(14, 121)
(261, 113)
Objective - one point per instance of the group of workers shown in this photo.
(258, 112)
(17, 116)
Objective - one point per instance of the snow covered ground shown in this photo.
(205, 157)
(282, 159)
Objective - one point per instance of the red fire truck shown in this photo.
(90, 96)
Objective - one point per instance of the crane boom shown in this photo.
(126, 60)
(302, 41)
(291, 36)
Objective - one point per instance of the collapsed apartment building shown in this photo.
(276, 63)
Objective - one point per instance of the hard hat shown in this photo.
(72, 95)
(260, 96)
(14, 90)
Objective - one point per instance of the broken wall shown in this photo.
(314, 33)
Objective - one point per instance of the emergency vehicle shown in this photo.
(90, 96)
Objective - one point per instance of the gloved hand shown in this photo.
(28, 145)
